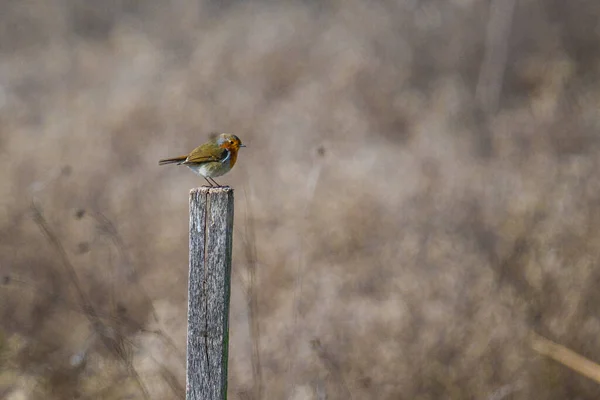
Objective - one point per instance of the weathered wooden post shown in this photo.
(211, 232)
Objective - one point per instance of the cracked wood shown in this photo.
(211, 231)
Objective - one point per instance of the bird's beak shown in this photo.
(242, 145)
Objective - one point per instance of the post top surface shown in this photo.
(212, 190)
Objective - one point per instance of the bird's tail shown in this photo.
(176, 160)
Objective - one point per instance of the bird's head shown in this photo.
(229, 142)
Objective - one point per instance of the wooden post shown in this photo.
(211, 231)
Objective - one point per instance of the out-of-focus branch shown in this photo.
(566, 357)
(491, 74)
(104, 332)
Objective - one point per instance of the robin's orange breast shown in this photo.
(233, 157)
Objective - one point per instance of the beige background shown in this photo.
(419, 192)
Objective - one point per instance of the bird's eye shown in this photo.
(231, 142)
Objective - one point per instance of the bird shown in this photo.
(211, 159)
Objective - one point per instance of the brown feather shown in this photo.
(208, 152)
(174, 160)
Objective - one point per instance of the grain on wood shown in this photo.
(211, 231)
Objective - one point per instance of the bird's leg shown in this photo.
(209, 183)
(215, 182)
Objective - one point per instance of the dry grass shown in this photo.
(398, 236)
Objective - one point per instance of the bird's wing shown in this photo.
(206, 153)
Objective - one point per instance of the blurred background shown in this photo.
(419, 193)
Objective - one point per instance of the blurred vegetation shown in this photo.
(419, 193)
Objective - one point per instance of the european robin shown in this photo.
(211, 159)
